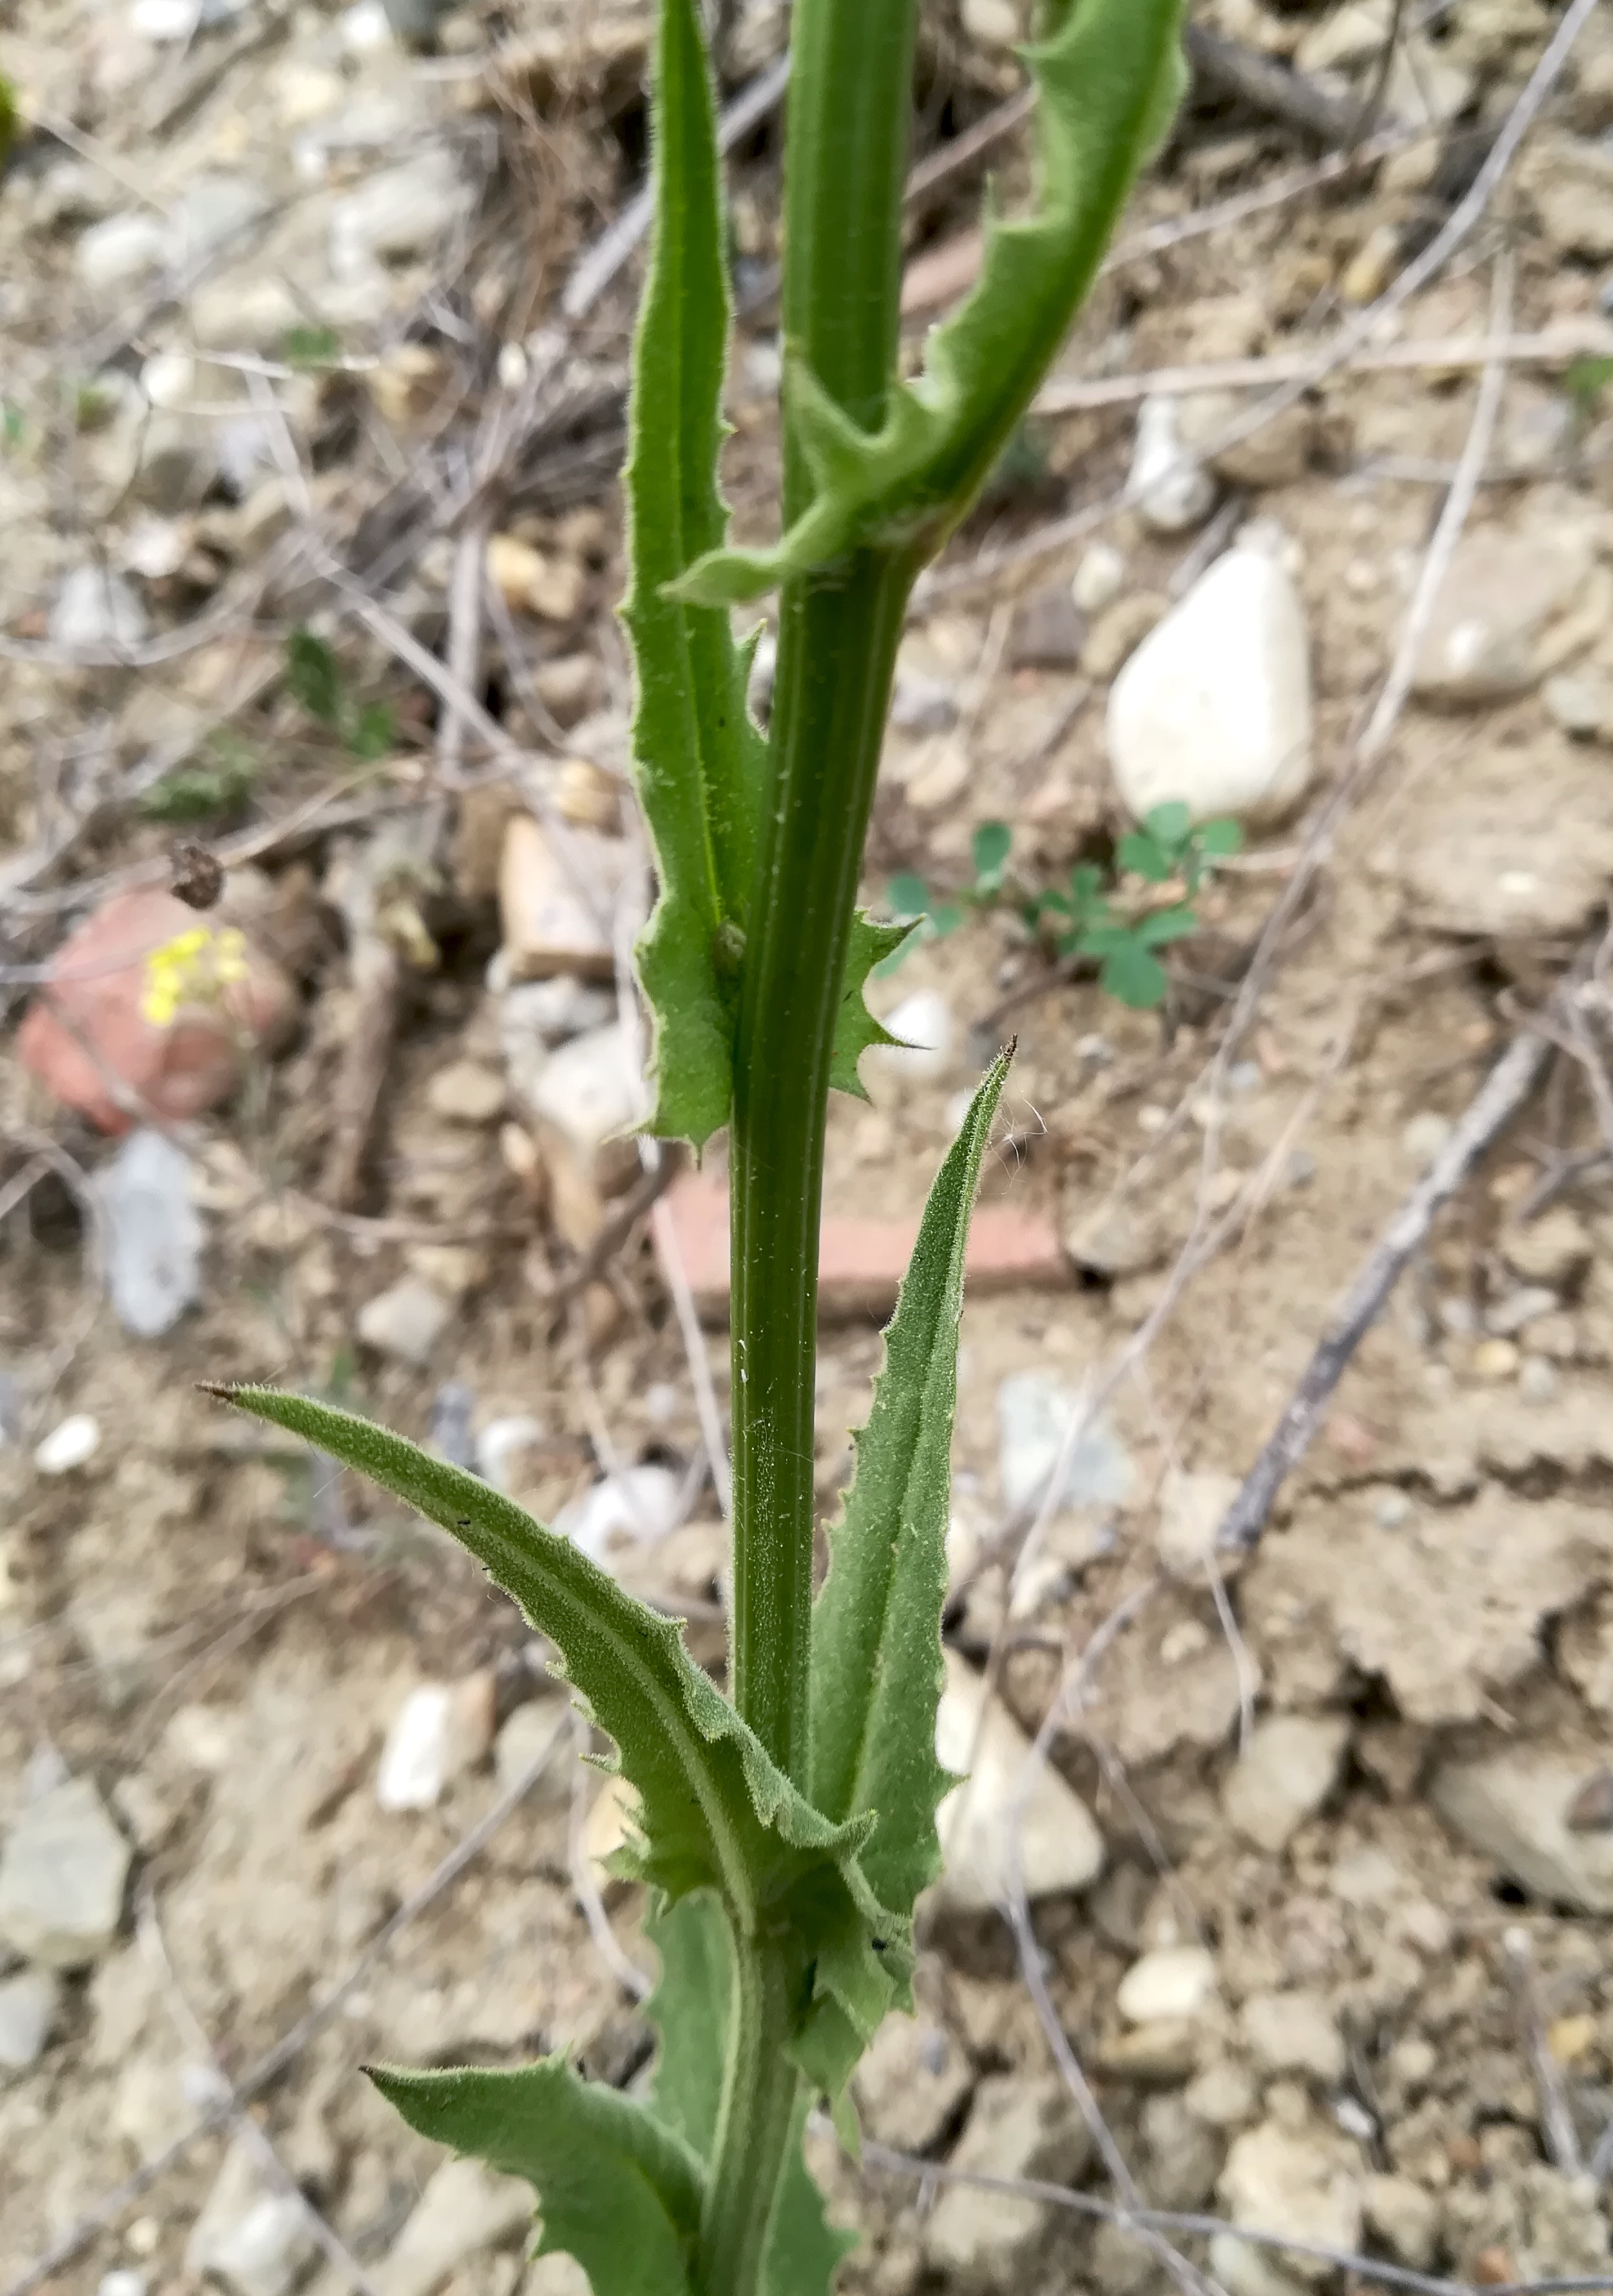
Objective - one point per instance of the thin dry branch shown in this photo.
(1206, 2227)
(1503, 1092)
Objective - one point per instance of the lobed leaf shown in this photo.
(620, 2190)
(876, 1644)
(1107, 81)
(698, 760)
(872, 944)
(717, 1813)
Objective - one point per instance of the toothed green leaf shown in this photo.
(804, 2249)
(876, 1640)
(690, 2008)
(1107, 81)
(698, 760)
(617, 2189)
(872, 943)
(716, 1814)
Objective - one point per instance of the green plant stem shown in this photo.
(837, 633)
(836, 656)
(760, 2085)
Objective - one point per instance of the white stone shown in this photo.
(1174, 1981)
(434, 1736)
(258, 2240)
(1171, 488)
(1192, 1508)
(1060, 1847)
(536, 1732)
(364, 28)
(96, 611)
(501, 1442)
(924, 1023)
(464, 2210)
(399, 214)
(1291, 2182)
(995, 23)
(635, 1508)
(985, 2239)
(1508, 612)
(1212, 711)
(72, 1443)
(405, 1321)
(121, 251)
(168, 379)
(1286, 1773)
(1427, 1137)
(123, 2280)
(62, 1876)
(153, 1234)
(28, 2003)
(1517, 1808)
(1099, 579)
(1294, 2033)
(589, 1089)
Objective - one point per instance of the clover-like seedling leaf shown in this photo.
(1131, 976)
(698, 761)
(989, 849)
(715, 1812)
(876, 1642)
(1109, 77)
(619, 2190)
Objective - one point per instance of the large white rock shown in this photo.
(1212, 711)
(1060, 1847)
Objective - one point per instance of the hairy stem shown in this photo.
(837, 635)
(755, 2126)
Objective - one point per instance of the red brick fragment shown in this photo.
(85, 1035)
(860, 1262)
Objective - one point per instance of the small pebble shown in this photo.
(501, 1442)
(1495, 1360)
(28, 2003)
(1171, 488)
(1426, 1138)
(1537, 1379)
(1098, 579)
(123, 2281)
(1392, 1510)
(1176, 1981)
(73, 1444)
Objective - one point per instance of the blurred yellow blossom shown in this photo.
(194, 968)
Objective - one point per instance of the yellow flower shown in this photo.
(194, 968)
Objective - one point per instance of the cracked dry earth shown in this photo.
(1322, 1862)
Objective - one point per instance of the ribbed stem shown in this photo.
(850, 100)
(836, 659)
(754, 2126)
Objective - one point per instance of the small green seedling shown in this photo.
(1083, 920)
(366, 729)
(308, 348)
(1086, 923)
(932, 918)
(784, 1830)
(218, 782)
